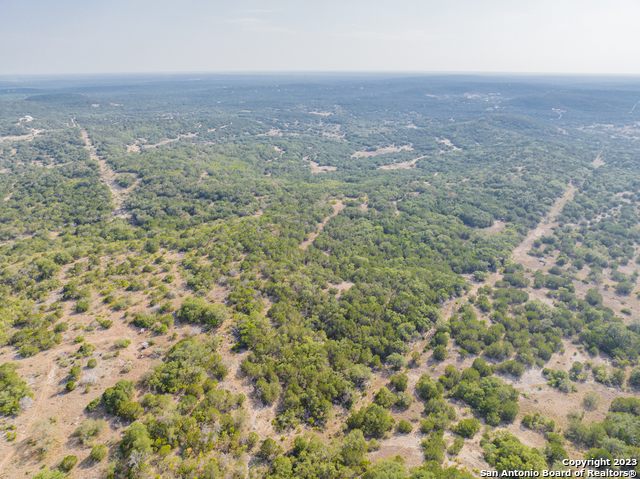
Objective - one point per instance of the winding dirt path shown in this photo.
(337, 208)
(118, 193)
(167, 141)
(33, 414)
(544, 228)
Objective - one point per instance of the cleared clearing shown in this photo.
(381, 151)
(405, 165)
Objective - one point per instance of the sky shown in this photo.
(136, 36)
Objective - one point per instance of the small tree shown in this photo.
(440, 353)
(400, 382)
(269, 449)
(397, 361)
(467, 428)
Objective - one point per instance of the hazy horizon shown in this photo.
(281, 36)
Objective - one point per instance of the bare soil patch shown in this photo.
(495, 228)
(164, 142)
(315, 168)
(447, 142)
(405, 165)
(27, 137)
(381, 151)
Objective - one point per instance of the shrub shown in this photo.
(428, 389)
(360, 374)
(105, 323)
(136, 438)
(385, 398)
(45, 437)
(61, 327)
(92, 363)
(117, 395)
(49, 474)
(624, 288)
(512, 367)
(130, 410)
(269, 392)
(404, 427)
(74, 373)
(194, 390)
(538, 422)
(82, 307)
(252, 440)
(12, 390)
(196, 310)
(68, 463)
(28, 350)
(393, 468)
(400, 382)
(166, 307)
(618, 376)
(591, 400)
(151, 246)
(504, 451)
(372, 420)
(86, 349)
(98, 452)
(404, 401)
(467, 428)
(629, 405)
(121, 343)
(456, 447)
(269, 449)
(70, 386)
(634, 378)
(490, 396)
(120, 304)
(480, 276)
(89, 430)
(93, 405)
(434, 447)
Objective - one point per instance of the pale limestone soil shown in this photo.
(316, 168)
(118, 193)
(405, 165)
(338, 206)
(47, 379)
(167, 141)
(447, 142)
(381, 151)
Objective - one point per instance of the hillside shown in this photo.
(379, 279)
